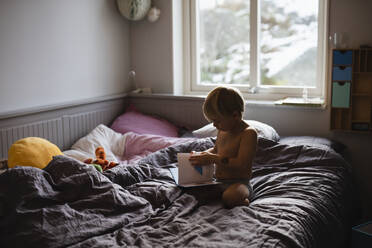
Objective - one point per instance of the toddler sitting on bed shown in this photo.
(235, 146)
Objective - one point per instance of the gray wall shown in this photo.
(54, 51)
(152, 46)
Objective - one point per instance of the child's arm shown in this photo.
(245, 156)
(211, 150)
(203, 158)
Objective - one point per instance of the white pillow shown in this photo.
(263, 130)
(111, 141)
(206, 131)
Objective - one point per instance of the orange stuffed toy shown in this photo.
(101, 160)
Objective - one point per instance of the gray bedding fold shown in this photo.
(302, 198)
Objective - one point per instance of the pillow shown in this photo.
(85, 147)
(206, 131)
(263, 130)
(314, 141)
(32, 151)
(134, 121)
(138, 144)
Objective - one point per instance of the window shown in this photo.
(267, 48)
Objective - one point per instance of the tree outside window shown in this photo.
(287, 45)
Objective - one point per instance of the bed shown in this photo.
(302, 197)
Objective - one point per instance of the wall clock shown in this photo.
(134, 10)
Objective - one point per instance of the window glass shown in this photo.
(288, 45)
(287, 42)
(224, 41)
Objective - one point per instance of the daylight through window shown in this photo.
(266, 44)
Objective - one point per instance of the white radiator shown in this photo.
(49, 129)
(63, 131)
(77, 126)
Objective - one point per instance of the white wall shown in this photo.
(352, 19)
(152, 47)
(54, 51)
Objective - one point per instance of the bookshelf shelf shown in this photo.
(351, 108)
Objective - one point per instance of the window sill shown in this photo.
(255, 103)
(275, 104)
(315, 102)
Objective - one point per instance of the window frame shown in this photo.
(253, 91)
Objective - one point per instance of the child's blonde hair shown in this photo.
(223, 101)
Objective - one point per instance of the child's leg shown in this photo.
(236, 194)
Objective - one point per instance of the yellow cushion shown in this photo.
(32, 151)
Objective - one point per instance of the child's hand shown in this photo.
(201, 158)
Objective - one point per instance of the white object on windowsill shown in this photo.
(142, 91)
(304, 95)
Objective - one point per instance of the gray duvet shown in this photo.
(302, 198)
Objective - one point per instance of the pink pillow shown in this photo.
(143, 144)
(134, 121)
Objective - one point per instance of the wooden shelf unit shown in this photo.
(351, 104)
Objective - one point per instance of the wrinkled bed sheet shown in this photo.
(301, 199)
